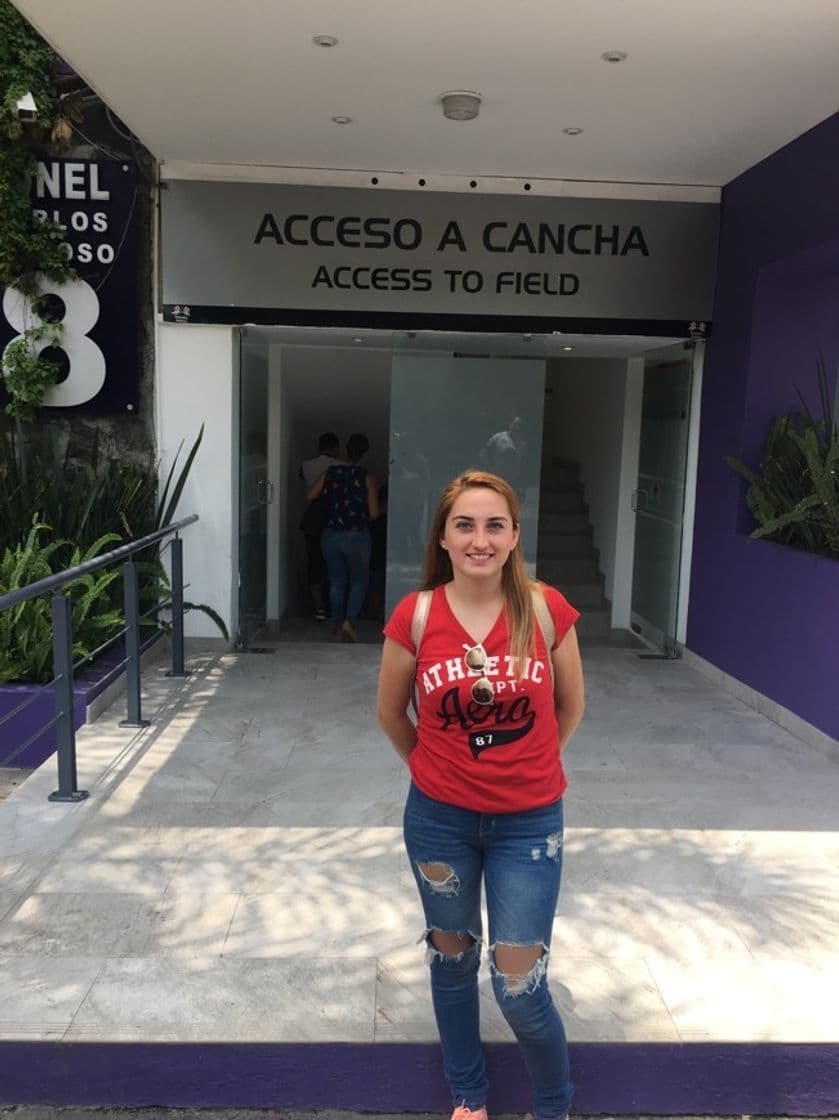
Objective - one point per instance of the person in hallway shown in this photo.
(313, 520)
(350, 492)
(505, 452)
(492, 664)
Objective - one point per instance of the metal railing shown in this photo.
(62, 631)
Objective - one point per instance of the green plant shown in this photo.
(31, 249)
(86, 502)
(26, 630)
(794, 493)
(81, 500)
(27, 374)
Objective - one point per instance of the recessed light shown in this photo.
(614, 56)
(567, 348)
(358, 340)
(460, 104)
(572, 130)
(527, 337)
(325, 41)
(342, 120)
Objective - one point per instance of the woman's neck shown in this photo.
(475, 604)
(475, 593)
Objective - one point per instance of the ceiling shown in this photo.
(707, 88)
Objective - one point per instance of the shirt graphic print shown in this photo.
(493, 758)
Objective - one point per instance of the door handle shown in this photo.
(639, 496)
(264, 492)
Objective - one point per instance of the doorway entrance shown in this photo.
(432, 404)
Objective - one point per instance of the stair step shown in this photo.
(565, 544)
(550, 488)
(566, 556)
(582, 594)
(561, 569)
(564, 522)
(558, 476)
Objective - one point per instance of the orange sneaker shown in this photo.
(464, 1113)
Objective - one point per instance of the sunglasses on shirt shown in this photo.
(476, 659)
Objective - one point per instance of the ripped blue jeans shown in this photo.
(519, 856)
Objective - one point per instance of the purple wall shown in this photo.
(769, 615)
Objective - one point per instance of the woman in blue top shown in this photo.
(351, 494)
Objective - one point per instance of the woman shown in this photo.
(351, 495)
(486, 796)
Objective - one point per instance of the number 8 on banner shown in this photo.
(87, 362)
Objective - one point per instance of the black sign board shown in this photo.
(95, 201)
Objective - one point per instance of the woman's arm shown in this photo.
(396, 679)
(316, 489)
(373, 509)
(569, 690)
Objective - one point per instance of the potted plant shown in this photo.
(794, 492)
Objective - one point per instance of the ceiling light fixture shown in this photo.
(567, 348)
(342, 120)
(325, 41)
(460, 104)
(572, 130)
(358, 340)
(614, 56)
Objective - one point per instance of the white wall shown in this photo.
(194, 383)
(586, 418)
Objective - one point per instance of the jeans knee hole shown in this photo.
(520, 983)
(439, 878)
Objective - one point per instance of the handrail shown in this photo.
(62, 636)
(51, 583)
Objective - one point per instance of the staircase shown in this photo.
(566, 556)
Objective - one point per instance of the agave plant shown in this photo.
(794, 493)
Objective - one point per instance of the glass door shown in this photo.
(448, 414)
(256, 491)
(659, 497)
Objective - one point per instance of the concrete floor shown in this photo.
(237, 872)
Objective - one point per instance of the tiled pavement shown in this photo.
(237, 872)
(237, 877)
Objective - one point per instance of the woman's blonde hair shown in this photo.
(437, 565)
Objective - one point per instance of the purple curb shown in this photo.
(795, 1079)
(89, 682)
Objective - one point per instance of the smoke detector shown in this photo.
(460, 104)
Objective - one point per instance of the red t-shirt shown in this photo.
(498, 758)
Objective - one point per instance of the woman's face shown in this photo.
(479, 533)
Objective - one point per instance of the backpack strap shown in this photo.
(418, 621)
(542, 615)
(420, 618)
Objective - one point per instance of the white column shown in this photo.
(194, 385)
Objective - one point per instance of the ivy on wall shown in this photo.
(31, 250)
